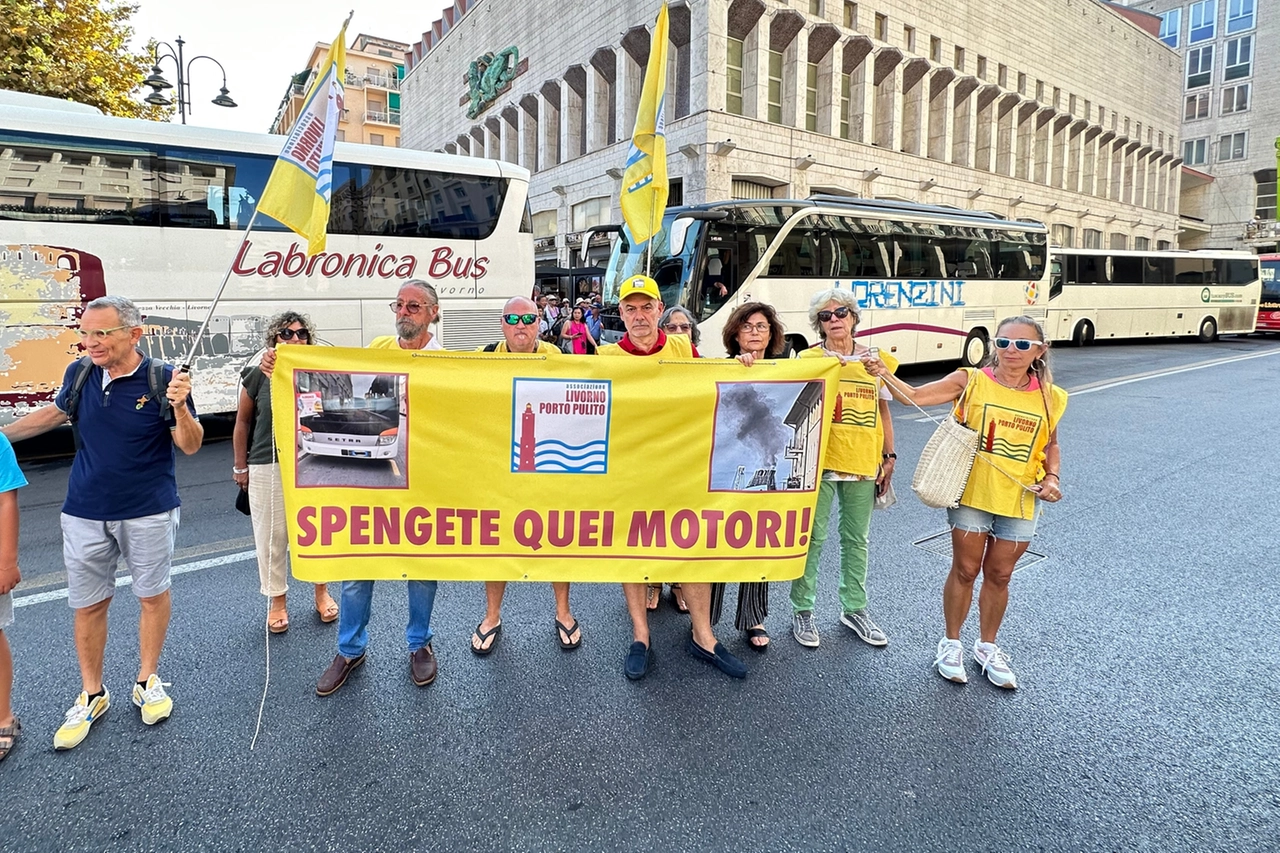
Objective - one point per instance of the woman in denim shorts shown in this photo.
(1015, 407)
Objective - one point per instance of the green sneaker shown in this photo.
(79, 717)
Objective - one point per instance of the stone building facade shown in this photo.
(1057, 110)
(1230, 119)
(371, 109)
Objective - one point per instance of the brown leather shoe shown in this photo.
(422, 666)
(336, 675)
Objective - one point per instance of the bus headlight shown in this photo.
(388, 436)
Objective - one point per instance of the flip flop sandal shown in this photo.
(754, 633)
(9, 737)
(483, 636)
(563, 632)
(652, 596)
(677, 593)
(278, 621)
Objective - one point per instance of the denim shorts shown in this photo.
(1000, 526)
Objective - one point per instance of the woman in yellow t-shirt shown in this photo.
(1015, 407)
(857, 465)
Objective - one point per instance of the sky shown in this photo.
(262, 44)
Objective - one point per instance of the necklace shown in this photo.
(1026, 381)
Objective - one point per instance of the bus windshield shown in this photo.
(1270, 280)
(674, 251)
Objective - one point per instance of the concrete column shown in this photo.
(755, 72)
(795, 72)
(548, 132)
(527, 135)
(595, 110)
(570, 122)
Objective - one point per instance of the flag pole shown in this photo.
(195, 344)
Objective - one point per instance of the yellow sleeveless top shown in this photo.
(677, 346)
(1014, 434)
(856, 442)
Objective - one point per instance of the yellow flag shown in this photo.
(301, 183)
(645, 185)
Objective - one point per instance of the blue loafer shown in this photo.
(721, 658)
(639, 661)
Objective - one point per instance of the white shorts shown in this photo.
(91, 549)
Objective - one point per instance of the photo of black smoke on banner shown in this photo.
(767, 437)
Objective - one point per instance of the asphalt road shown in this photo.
(1146, 718)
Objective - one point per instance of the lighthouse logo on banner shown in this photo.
(560, 426)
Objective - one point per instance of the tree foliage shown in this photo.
(77, 50)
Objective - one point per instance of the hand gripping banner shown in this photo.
(477, 466)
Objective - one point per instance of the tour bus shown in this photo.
(932, 280)
(91, 204)
(356, 416)
(1103, 294)
(1269, 304)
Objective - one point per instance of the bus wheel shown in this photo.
(975, 348)
(1208, 331)
(1083, 335)
(795, 345)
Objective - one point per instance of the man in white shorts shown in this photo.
(122, 497)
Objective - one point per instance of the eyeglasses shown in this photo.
(290, 334)
(99, 334)
(517, 319)
(410, 307)
(762, 328)
(1022, 344)
(825, 316)
(679, 327)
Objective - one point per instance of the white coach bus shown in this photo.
(932, 280)
(1100, 294)
(91, 204)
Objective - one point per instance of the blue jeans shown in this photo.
(353, 616)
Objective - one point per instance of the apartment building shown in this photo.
(371, 113)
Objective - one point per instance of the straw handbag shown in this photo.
(943, 470)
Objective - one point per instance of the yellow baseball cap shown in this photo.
(639, 285)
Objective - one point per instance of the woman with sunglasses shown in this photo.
(751, 333)
(677, 321)
(857, 467)
(256, 470)
(576, 333)
(1018, 465)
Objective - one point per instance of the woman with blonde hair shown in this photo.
(1014, 406)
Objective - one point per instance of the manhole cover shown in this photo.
(939, 544)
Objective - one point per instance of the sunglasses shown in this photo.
(517, 319)
(1021, 344)
(290, 334)
(825, 316)
(411, 307)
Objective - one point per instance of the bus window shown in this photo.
(1090, 269)
(798, 256)
(1235, 271)
(1157, 270)
(918, 257)
(1126, 269)
(1191, 270)
(1055, 278)
(1011, 257)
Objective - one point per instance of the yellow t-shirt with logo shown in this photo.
(1014, 434)
(676, 346)
(544, 348)
(855, 444)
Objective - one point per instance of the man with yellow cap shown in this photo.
(640, 305)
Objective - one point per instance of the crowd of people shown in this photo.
(129, 414)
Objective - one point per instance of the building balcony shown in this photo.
(382, 117)
(389, 83)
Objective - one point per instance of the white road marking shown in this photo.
(59, 594)
(1107, 384)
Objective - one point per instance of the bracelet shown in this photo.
(890, 456)
(235, 470)
(1053, 474)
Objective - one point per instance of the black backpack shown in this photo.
(155, 380)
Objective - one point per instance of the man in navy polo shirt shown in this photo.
(122, 500)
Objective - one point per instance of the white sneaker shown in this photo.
(995, 663)
(153, 700)
(950, 661)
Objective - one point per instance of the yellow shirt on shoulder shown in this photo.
(1011, 452)
(676, 346)
(856, 442)
(393, 342)
(544, 348)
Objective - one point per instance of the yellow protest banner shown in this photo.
(477, 466)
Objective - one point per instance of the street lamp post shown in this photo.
(158, 83)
